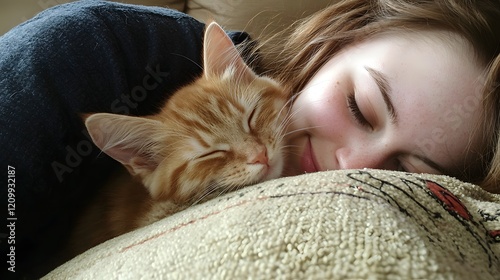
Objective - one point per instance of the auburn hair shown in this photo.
(311, 42)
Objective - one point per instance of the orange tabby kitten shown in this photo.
(222, 132)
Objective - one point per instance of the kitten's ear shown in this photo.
(133, 141)
(219, 53)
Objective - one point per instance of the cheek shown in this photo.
(321, 110)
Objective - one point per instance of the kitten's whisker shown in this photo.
(286, 147)
(189, 59)
(289, 120)
(302, 129)
(209, 190)
(293, 153)
(289, 151)
(285, 123)
(286, 106)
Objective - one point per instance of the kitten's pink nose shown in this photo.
(260, 157)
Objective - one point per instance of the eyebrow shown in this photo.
(383, 85)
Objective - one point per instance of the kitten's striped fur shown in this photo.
(222, 132)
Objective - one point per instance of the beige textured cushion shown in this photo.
(359, 224)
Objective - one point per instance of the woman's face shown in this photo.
(397, 101)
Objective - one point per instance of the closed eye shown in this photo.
(251, 118)
(215, 153)
(356, 112)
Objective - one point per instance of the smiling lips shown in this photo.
(308, 161)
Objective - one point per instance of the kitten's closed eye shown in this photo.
(252, 120)
(211, 154)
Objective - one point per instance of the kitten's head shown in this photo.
(222, 132)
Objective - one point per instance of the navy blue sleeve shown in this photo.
(86, 56)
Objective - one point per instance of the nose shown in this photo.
(259, 156)
(362, 157)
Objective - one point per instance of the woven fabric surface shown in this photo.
(351, 224)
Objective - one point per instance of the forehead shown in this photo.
(436, 87)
